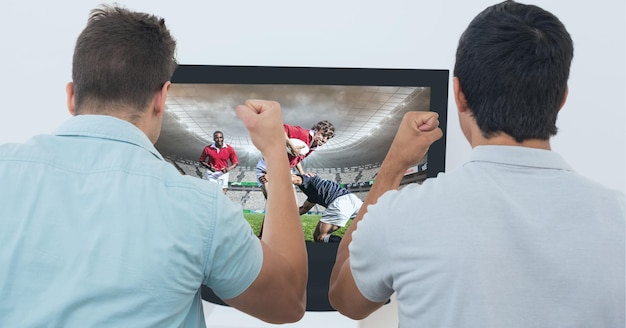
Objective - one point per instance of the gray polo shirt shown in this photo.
(513, 238)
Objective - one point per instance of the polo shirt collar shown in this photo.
(106, 127)
(519, 156)
(213, 145)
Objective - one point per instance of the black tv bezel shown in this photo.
(322, 257)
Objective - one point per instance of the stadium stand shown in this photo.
(244, 189)
(255, 201)
(240, 175)
(369, 174)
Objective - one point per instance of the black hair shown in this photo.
(513, 63)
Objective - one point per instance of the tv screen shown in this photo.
(365, 105)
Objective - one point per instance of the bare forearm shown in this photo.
(284, 272)
(299, 168)
(306, 207)
(282, 227)
(230, 168)
(342, 286)
(417, 131)
(343, 292)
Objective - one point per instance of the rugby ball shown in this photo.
(298, 143)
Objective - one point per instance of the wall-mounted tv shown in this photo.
(365, 105)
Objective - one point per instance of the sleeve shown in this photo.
(234, 255)
(306, 180)
(294, 131)
(233, 156)
(288, 129)
(370, 258)
(203, 155)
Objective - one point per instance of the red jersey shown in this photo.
(303, 134)
(218, 157)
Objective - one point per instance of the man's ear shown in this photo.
(69, 90)
(564, 98)
(459, 96)
(159, 99)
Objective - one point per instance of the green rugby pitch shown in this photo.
(309, 221)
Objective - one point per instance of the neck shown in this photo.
(141, 120)
(503, 139)
(474, 135)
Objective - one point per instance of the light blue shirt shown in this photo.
(513, 238)
(97, 230)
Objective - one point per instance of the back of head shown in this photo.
(120, 60)
(513, 63)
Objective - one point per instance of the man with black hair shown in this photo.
(341, 205)
(215, 157)
(97, 229)
(514, 237)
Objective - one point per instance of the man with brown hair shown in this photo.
(99, 230)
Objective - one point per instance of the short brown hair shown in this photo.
(327, 128)
(121, 59)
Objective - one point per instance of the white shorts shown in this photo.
(341, 210)
(218, 177)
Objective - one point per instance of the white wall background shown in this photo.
(39, 37)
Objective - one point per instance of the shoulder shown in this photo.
(429, 199)
(35, 150)
(603, 197)
(295, 129)
(312, 177)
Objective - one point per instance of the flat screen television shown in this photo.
(365, 105)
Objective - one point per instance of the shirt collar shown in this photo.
(213, 145)
(312, 134)
(107, 127)
(519, 156)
